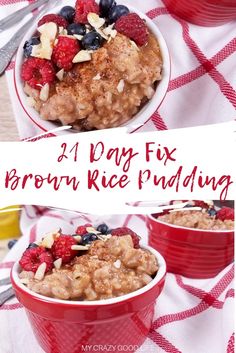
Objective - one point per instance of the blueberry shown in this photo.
(29, 44)
(76, 28)
(105, 6)
(32, 245)
(116, 12)
(92, 41)
(68, 12)
(88, 238)
(11, 243)
(212, 212)
(102, 228)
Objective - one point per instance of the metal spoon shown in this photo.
(7, 294)
(17, 16)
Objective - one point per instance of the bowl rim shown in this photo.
(213, 231)
(132, 125)
(161, 273)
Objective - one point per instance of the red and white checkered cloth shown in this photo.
(203, 78)
(191, 316)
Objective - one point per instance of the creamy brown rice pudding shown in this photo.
(107, 269)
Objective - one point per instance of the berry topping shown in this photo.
(11, 243)
(37, 72)
(32, 245)
(59, 20)
(76, 28)
(119, 232)
(81, 230)
(28, 46)
(105, 6)
(83, 8)
(32, 258)
(225, 213)
(134, 27)
(212, 212)
(116, 12)
(64, 52)
(61, 248)
(103, 228)
(92, 41)
(88, 238)
(201, 204)
(68, 12)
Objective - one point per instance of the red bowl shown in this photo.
(203, 12)
(194, 253)
(68, 326)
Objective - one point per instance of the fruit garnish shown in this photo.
(61, 248)
(105, 7)
(28, 46)
(32, 258)
(116, 12)
(68, 13)
(134, 27)
(59, 20)
(225, 213)
(64, 52)
(76, 28)
(119, 232)
(83, 8)
(37, 72)
(92, 41)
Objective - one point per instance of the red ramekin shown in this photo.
(203, 12)
(193, 253)
(70, 326)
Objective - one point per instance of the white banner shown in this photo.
(107, 171)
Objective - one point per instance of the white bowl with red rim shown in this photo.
(143, 116)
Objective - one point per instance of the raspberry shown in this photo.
(119, 232)
(225, 213)
(59, 20)
(83, 8)
(37, 72)
(64, 52)
(61, 248)
(201, 204)
(133, 27)
(81, 230)
(33, 257)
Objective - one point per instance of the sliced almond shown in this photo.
(31, 102)
(117, 264)
(60, 74)
(78, 36)
(97, 77)
(110, 31)
(120, 86)
(95, 21)
(80, 247)
(92, 230)
(24, 280)
(77, 238)
(82, 56)
(44, 93)
(134, 45)
(39, 274)
(102, 34)
(48, 35)
(57, 263)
